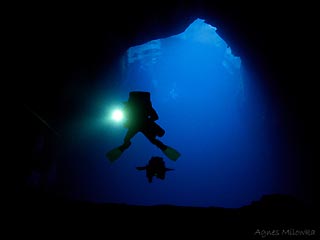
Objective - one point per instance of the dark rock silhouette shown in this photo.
(279, 212)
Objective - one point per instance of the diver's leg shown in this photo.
(115, 153)
(126, 142)
(168, 151)
(153, 140)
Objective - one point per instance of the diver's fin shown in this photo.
(141, 168)
(114, 154)
(169, 169)
(171, 153)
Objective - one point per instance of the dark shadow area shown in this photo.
(273, 215)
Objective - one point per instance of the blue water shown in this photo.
(214, 112)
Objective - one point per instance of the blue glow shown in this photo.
(214, 112)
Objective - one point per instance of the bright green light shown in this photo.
(117, 115)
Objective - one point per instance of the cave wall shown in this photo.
(66, 47)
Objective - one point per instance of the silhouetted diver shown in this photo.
(141, 117)
(155, 168)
